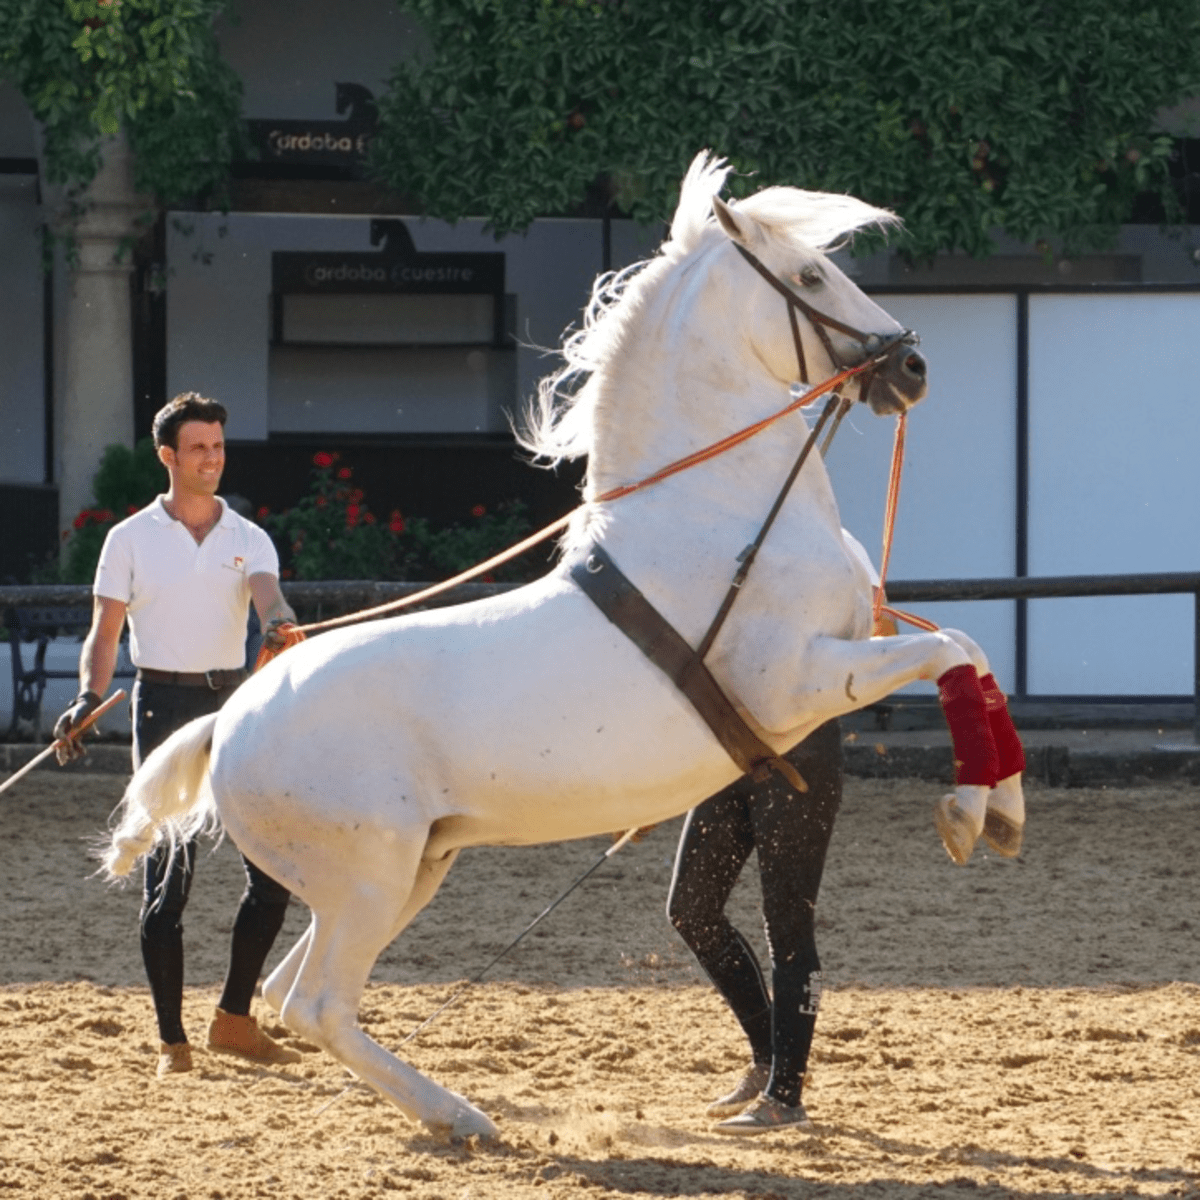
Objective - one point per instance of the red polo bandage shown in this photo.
(976, 760)
(1008, 742)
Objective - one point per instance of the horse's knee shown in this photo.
(971, 648)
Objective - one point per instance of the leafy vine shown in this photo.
(152, 68)
(965, 116)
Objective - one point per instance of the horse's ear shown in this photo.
(741, 229)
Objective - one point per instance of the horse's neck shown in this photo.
(685, 377)
(679, 540)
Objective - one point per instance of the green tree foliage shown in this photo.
(88, 68)
(964, 116)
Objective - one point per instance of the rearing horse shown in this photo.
(356, 766)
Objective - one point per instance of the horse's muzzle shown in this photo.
(899, 381)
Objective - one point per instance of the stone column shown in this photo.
(94, 405)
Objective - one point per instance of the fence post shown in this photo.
(1196, 673)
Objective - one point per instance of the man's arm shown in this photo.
(269, 603)
(98, 655)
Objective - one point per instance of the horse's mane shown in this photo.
(558, 422)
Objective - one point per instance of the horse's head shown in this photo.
(782, 233)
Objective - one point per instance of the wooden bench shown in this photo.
(39, 626)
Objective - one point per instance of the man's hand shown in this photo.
(276, 635)
(81, 708)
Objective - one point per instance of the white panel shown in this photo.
(956, 516)
(1114, 488)
(388, 319)
(382, 391)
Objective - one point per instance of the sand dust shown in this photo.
(1004, 1029)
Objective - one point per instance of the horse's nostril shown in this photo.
(914, 364)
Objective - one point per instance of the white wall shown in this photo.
(1114, 487)
(219, 318)
(956, 515)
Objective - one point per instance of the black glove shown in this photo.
(275, 635)
(81, 708)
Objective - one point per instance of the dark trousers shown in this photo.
(158, 710)
(790, 833)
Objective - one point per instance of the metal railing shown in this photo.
(316, 600)
(1051, 586)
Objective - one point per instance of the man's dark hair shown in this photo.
(187, 406)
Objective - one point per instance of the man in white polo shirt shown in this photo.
(183, 571)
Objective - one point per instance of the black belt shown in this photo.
(216, 680)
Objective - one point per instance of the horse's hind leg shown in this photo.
(277, 985)
(352, 923)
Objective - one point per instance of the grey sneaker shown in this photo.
(764, 1115)
(747, 1088)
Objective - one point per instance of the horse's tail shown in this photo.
(168, 799)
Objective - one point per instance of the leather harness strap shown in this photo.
(602, 581)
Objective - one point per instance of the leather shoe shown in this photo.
(173, 1058)
(230, 1033)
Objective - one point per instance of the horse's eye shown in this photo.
(808, 277)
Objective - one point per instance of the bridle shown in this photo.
(878, 350)
(876, 347)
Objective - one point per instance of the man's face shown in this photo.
(196, 465)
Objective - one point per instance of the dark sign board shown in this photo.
(320, 143)
(396, 267)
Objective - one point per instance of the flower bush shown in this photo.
(332, 533)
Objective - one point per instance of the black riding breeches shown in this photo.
(160, 709)
(790, 833)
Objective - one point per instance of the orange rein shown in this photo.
(297, 633)
(682, 464)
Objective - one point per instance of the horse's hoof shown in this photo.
(1002, 835)
(956, 829)
(467, 1122)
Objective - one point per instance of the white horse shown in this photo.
(357, 765)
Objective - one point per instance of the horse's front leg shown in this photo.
(988, 759)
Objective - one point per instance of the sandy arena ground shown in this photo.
(1027, 1028)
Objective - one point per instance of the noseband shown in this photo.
(821, 322)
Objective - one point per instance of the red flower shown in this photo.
(478, 511)
(489, 578)
(352, 511)
(320, 501)
(370, 518)
(344, 472)
(132, 509)
(286, 573)
(103, 515)
(264, 511)
(83, 518)
(396, 521)
(323, 458)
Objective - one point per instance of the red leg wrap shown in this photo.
(1008, 741)
(975, 758)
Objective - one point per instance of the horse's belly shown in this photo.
(545, 724)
